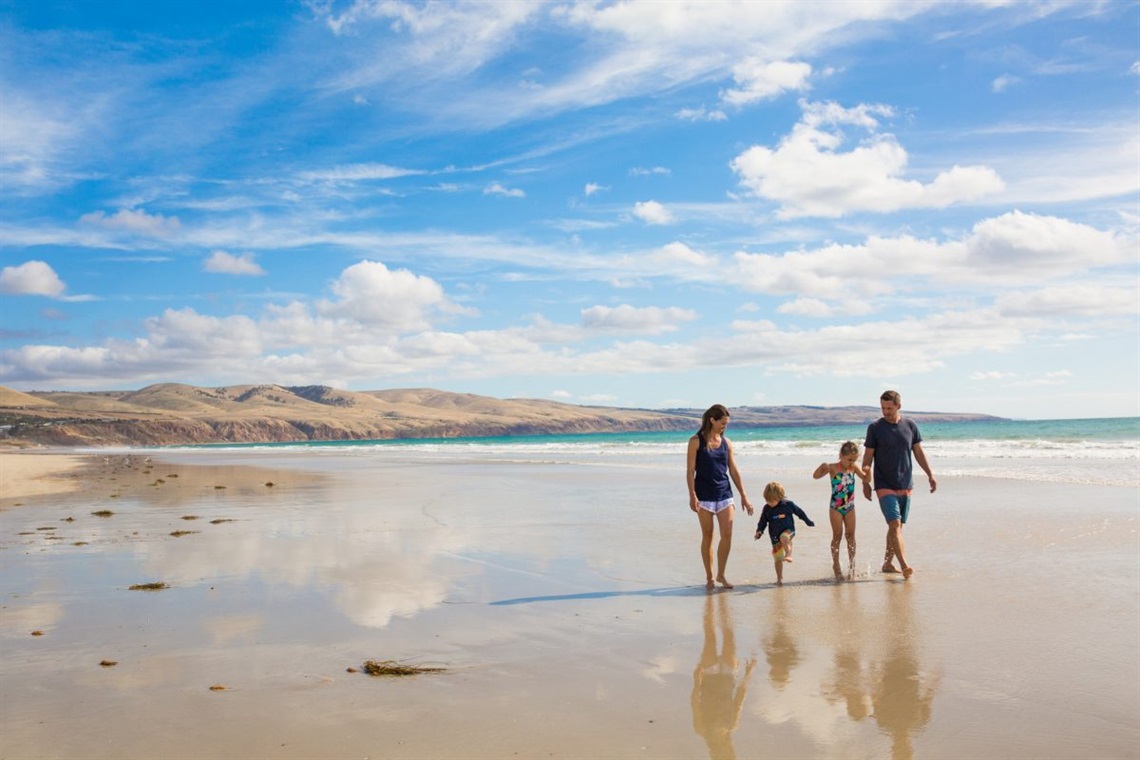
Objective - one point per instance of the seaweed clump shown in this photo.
(159, 586)
(393, 668)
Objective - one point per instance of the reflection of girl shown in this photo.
(716, 698)
(710, 471)
(842, 511)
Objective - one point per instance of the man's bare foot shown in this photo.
(889, 568)
(908, 571)
(724, 583)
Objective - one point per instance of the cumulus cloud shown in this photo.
(1008, 250)
(652, 212)
(221, 262)
(819, 309)
(809, 175)
(757, 79)
(32, 278)
(1004, 82)
(497, 188)
(1080, 299)
(649, 320)
(398, 300)
(135, 221)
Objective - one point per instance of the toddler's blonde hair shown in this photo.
(773, 491)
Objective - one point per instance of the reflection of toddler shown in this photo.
(778, 516)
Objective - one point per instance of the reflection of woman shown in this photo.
(717, 699)
(903, 705)
(710, 471)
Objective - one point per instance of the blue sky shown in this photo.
(646, 204)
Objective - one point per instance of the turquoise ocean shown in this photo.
(1103, 451)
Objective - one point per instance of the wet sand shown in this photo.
(565, 601)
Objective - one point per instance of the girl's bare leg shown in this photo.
(849, 531)
(724, 519)
(836, 537)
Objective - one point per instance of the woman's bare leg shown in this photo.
(724, 519)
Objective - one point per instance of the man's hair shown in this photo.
(891, 396)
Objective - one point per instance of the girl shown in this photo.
(842, 512)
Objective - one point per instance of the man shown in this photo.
(890, 441)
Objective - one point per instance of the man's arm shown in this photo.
(920, 457)
(868, 456)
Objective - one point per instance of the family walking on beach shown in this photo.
(887, 468)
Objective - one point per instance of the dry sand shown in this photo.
(565, 602)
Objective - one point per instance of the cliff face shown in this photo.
(173, 414)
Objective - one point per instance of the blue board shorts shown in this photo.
(895, 507)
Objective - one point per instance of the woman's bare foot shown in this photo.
(709, 586)
(889, 568)
(724, 583)
(907, 572)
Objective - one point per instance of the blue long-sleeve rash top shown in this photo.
(780, 518)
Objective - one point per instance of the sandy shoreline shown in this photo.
(24, 474)
(564, 601)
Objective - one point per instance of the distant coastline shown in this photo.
(177, 414)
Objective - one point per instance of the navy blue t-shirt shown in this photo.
(892, 443)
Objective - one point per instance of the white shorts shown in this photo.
(715, 506)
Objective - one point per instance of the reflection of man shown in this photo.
(903, 705)
(717, 699)
(848, 685)
(890, 441)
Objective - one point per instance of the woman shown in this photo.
(710, 467)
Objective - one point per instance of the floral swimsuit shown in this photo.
(843, 492)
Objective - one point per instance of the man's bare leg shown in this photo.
(895, 537)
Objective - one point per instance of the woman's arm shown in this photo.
(691, 472)
(735, 475)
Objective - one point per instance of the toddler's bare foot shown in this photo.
(724, 583)
(889, 568)
(788, 558)
(908, 571)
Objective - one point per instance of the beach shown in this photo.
(562, 597)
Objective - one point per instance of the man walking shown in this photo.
(890, 441)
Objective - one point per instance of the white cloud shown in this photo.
(593, 187)
(652, 212)
(1004, 82)
(641, 171)
(650, 320)
(808, 175)
(221, 262)
(819, 309)
(136, 221)
(992, 375)
(1009, 250)
(757, 79)
(496, 188)
(561, 394)
(374, 296)
(701, 114)
(1135, 68)
(357, 173)
(1080, 299)
(32, 278)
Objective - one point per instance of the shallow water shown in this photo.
(560, 596)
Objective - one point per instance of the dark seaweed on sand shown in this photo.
(148, 586)
(393, 668)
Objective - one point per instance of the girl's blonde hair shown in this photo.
(773, 491)
(850, 447)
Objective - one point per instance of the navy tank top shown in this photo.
(712, 482)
